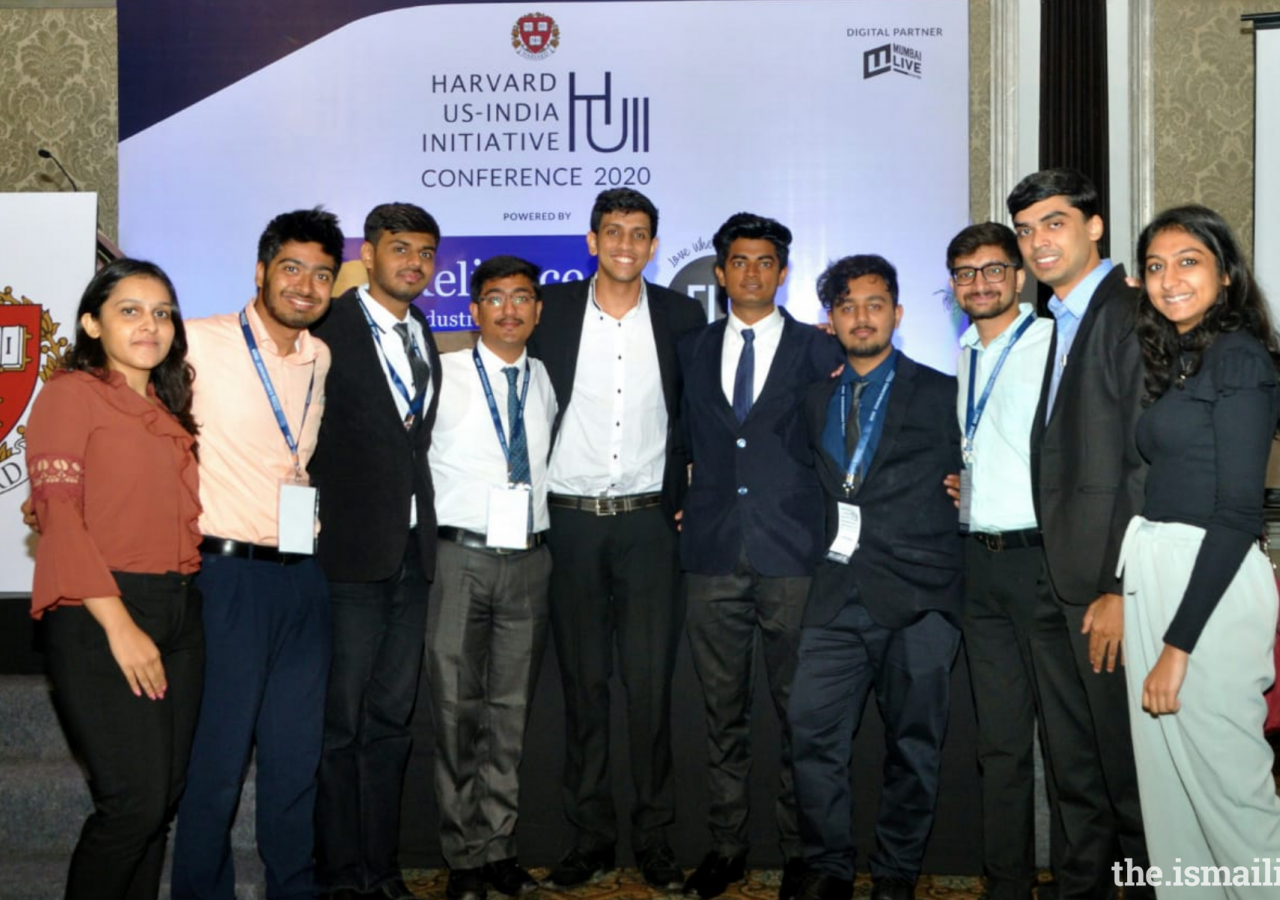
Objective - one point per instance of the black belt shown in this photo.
(216, 546)
(996, 541)
(606, 506)
(477, 541)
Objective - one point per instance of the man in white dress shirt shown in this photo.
(487, 619)
(1002, 358)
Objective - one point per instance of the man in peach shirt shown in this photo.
(259, 395)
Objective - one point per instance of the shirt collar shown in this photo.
(764, 328)
(970, 340)
(382, 317)
(633, 311)
(1077, 302)
(877, 375)
(494, 364)
(304, 349)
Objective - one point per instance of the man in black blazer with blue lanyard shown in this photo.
(752, 525)
(377, 547)
(617, 475)
(884, 609)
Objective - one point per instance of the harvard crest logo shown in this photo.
(30, 351)
(535, 35)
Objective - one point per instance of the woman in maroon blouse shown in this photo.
(111, 457)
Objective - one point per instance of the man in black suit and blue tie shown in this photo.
(884, 608)
(752, 525)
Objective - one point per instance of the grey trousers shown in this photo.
(486, 629)
(1204, 772)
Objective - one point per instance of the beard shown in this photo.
(990, 312)
(873, 346)
(289, 317)
(400, 292)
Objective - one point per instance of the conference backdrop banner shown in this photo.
(847, 121)
(46, 259)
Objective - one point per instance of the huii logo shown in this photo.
(30, 351)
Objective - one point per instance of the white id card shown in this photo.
(509, 517)
(966, 496)
(846, 541)
(297, 523)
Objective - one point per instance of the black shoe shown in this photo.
(792, 877)
(658, 866)
(395, 889)
(465, 884)
(893, 888)
(714, 874)
(580, 866)
(507, 877)
(816, 886)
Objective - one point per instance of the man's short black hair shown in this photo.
(751, 227)
(984, 234)
(623, 200)
(498, 267)
(303, 226)
(1063, 182)
(833, 284)
(399, 218)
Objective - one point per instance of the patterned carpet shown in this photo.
(760, 884)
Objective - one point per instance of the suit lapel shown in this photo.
(782, 357)
(664, 343)
(895, 413)
(817, 402)
(708, 359)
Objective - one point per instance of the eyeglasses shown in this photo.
(992, 273)
(497, 299)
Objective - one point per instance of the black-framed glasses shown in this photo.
(992, 273)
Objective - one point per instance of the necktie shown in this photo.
(853, 428)
(744, 379)
(517, 443)
(417, 365)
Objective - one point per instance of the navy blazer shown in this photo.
(367, 464)
(910, 556)
(753, 483)
(558, 336)
(1086, 473)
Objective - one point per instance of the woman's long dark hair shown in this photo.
(1240, 304)
(173, 377)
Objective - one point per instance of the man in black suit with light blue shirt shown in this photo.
(883, 612)
(752, 525)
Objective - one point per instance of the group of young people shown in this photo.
(607, 466)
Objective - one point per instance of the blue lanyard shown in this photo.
(415, 403)
(518, 424)
(864, 437)
(274, 399)
(973, 415)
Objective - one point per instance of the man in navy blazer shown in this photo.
(885, 603)
(752, 525)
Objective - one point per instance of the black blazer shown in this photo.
(1086, 473)
(754, 483)
(366, 464)
(910, 554)
(559, 334)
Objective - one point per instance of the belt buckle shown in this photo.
(607, 506)
(993, 542)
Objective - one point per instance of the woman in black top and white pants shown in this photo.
(1200, 595)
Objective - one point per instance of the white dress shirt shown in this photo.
(613, 436)
(768, 333)
(393, 353)
(466, 457)
(1001, 477)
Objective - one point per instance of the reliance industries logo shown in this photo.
(892, 58)
(535, 35)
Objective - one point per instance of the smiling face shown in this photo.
(983, 298)
(1058, 243)
(751, 277)
(863, 319)
(506, 311)
(135, 327)
(400, 267)
(623, 246)
(294, 289)
(1182, 278)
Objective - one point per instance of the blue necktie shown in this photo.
(517, 443)
(744, 379)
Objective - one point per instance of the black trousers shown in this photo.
(135, 749)
(1090, 753)
(378, 630)
(616, 579)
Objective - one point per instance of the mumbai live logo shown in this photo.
(535, 35)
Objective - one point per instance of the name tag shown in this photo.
(846, 542)
(509, 517)
(966, 496)
(298, 518)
